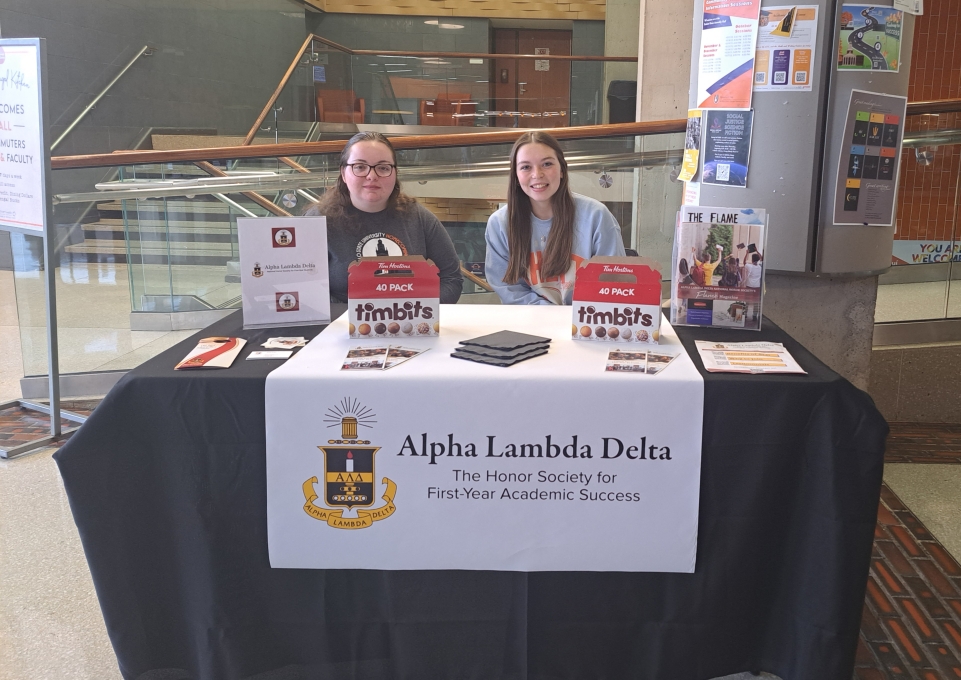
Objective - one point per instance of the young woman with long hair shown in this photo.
(369, 216)
(536, 243)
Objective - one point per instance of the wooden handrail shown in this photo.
(935, 106)
(273, 98)
(399, 53)
(499, 136)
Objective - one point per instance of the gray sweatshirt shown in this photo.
(414, 231)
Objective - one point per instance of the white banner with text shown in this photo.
(551, 464)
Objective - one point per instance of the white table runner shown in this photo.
(549, 465)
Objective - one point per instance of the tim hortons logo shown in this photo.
(349, 473)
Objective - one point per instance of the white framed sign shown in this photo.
(283, 271)
(22, 151)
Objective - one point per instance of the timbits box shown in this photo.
(393, 297)
(617, 299)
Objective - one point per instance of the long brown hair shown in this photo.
(337, 199)
(560, 240)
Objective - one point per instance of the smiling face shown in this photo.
(369, 193)
(539, 175)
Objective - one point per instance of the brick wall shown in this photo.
(926, 201)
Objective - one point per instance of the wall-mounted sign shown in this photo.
(542, 64)
(725, 76)
(784, 60)
(21, 140)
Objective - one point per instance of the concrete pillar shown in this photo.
(620, 40)
(832, 317)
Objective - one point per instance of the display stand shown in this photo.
(25, 205)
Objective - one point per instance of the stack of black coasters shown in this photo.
(503, 348)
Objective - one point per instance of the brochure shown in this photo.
(271, 354)
(648, 363)
(284, 343)
(746, 357)
(212, 353)
(717, 276)
(378, 358)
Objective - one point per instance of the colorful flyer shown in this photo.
(785, 49)
(718, 270)
(870, 38)
(868, 166)
(727, 147)
(692, 146)
(726, 60)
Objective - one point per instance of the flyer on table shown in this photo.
(866, 192)
(283, 270)
(21, 148)
(870, 38)
(726, 60)
(785, 48)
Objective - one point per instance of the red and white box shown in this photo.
(617, 299)
(393, 297)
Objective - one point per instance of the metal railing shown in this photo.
(144, 51)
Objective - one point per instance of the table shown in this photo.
(166, 481)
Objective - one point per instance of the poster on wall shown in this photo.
(925, 252)
(692, 146)
(910, 6)
(727, 147)
(785, 49)
(868, 166)
(22, 151)
(870, 38)
(726, 60)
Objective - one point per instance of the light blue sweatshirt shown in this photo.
(596, 232)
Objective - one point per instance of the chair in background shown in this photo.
(339, 106)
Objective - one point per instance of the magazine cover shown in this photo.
(717, 276)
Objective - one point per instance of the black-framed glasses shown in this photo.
(363, 169)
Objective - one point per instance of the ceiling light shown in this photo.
(432, 22)
(452, 26)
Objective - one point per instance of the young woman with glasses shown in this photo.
(369, 216)
(536, 243)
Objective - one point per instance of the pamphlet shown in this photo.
(379, 358)
(718, 271)
(746, 357)
(212, 353)
(648, 363)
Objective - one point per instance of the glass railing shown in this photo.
(924, 282)
(159, 256)
(333, 85)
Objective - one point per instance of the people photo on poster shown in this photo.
(727, 147)
(870, 38)
(718, 270)
(867, 181)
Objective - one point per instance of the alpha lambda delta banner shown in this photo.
(554, 464)
(726, 61)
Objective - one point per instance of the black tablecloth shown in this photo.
(166, 481)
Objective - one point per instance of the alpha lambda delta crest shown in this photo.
(349, 477)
